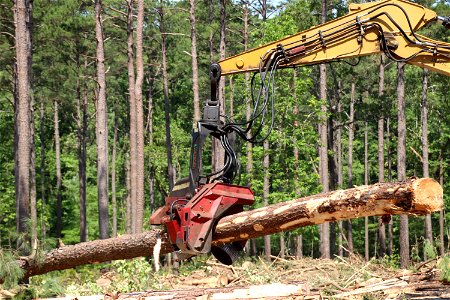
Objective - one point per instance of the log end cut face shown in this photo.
(428, 195)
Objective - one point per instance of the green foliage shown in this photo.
(10, 270)
(444, 267)
(429, 250)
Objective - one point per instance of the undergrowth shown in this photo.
(329, 276)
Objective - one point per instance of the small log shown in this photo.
(415, 196)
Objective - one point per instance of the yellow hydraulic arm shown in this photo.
(386, 26)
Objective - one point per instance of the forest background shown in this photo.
(98, 100)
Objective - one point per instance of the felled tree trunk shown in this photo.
(415, 196)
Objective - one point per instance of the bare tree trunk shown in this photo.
(58, 173)
(351, 129)
(366, 182)
(33, 207)
(128, 205)
(266, 165)
(140, 164)
(170, 168)
(381, 225)
(149, 126)
(113, 179)
(81, 150)
(298, 237)
(42, 168)
(195, 87)
(248, 113)
(101, 128)
(299, 246)
(390, 224)
(401, 161)
(22, 117)
(133, 117)
(323, 148)
(82, 156)
(441, 212)
(340, 177)
(425, 164)
(211, 31)
(218, 151)
(282, 246)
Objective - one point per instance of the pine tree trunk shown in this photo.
(113, 179)
(282, 253)
(22, 117)
(401, 161)
(170, 168)
(340, 177)
(140, 163)
(266, 183)
(81, 149)
(195, 87)
(42, 168)
(323, 148)
(133, 117)
(58, 172)
(390, 241)
(425, 164)
(441, 212)
(33, 208)
(299, 246)
(128, 204)
(218, 151)
(366, 182)
(82, 156)
(33, 196)
(351, 130)
(381, 225)
(415, 196)
(248, 112)
(101, 128)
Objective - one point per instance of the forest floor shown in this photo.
(205, 278)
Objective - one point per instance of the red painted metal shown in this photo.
(190, 222)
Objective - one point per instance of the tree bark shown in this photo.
(170, 168)
(133, 116)
(323, 147)
(414, 196)
(401, 160)
(195, 87)
(441, 212)
(366, 182)
(22, 117)
(42, 167)
(218, 151)
(390, 240)
(58, 173)
(425, 164)
(113, 179)
(101, 127)
(266, 164)
(381, 225)
(140, 167)
(81, 147)
(351, 133)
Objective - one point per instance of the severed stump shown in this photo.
(414, 196)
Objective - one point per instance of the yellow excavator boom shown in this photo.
(386, 26)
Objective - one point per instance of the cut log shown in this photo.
(415, 196)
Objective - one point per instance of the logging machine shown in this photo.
(195, 204)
